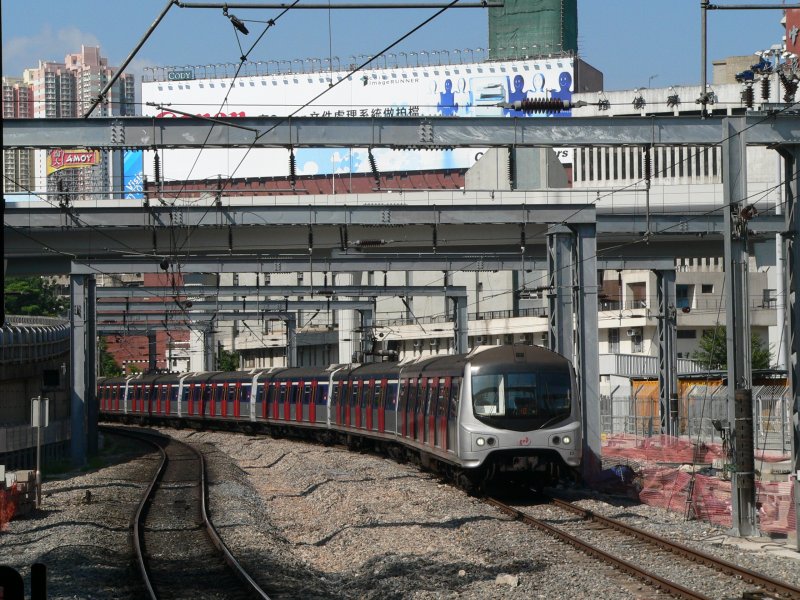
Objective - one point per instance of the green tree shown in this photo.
(713, 351)
(108, 366)
(35, 296)
(227, 361)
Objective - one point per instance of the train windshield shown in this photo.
(536, 398)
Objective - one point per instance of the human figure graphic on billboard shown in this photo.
(565, 82)
(515, 93)
(447, 102)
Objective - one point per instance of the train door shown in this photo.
(434, 392)
(283, 399)
(299, 396)
(422, 398)
(236, 399)
(380, 403)
(441, 412)
(346, 401)
(274, 392)
(358, 392)
(430, 411)
(452, 413)
(402, 401)
(411, 408)
(312, 402)
(190, 406)
(222, 397)
(367, 389)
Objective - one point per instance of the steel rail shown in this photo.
(652, 579)
(719, 564)
(141, 512)
(216, 539)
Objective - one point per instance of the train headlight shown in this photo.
(566, 439)
(480, 441)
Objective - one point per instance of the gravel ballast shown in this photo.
(310, 521)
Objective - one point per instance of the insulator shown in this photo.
(748, 96)
(765, 85)
(374, 166)
(512, 155)
(292, 168)
(789, 88)
(647, 163)
(157, 167)
(540, 105)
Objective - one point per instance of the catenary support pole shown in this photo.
(667, 352)
(737, 258)
(77, 285)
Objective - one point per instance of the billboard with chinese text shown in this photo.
(463, 90)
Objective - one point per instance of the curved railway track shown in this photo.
(178, 551)
(639, 547)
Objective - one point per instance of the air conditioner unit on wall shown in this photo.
(633, 331)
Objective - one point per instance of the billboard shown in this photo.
(463, 90)
(133, 174)
(60, 158)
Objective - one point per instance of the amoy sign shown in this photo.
(58, 159)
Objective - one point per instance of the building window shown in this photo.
(613, 341)
(707, 288)
(683, 295)
(687, 334)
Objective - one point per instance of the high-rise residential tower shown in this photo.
(56, 90)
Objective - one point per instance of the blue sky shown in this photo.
(633, 42)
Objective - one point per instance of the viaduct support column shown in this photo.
(83, 373)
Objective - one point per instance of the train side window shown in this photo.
(442, 401)
(366, 393)
(335, 393)
(402, 397)
(391, 393)
(307, 393)
(354, 393)
(245, 393)
(173, 393)
(430, 407)
(455, 390)
(282, 396)
(232, 392)
(378, 397)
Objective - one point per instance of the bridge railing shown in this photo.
(26, 339)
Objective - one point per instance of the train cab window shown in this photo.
(525, 395)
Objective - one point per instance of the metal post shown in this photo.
(39, 459)
(291, 341)
(92, 408)
(559, 297)
(667, 353)
(703, 57)
(460, 325)
(737, 258)
(78, 372)
(587, 353)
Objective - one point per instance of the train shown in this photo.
(498, 413)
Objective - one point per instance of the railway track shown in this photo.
(642, 555)
(177, 549)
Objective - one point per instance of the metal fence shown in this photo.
(703, 414)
